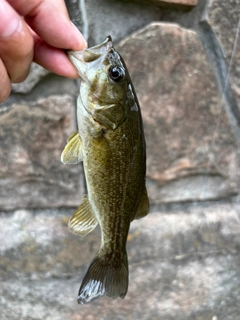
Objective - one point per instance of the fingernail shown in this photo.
(10, 21)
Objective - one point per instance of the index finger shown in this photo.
(50, 20)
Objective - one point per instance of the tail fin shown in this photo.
(104, 279)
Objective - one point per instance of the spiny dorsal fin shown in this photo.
(143, 206)
(72, 152)
(83, 220)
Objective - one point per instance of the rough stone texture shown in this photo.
(174, 4)
(35, 75)
(183, 263)
(223, 16)
(75, 13)
(103, 18)
(191, 152)
(32, 137)
(181, 2)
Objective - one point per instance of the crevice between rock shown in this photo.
(217, 62)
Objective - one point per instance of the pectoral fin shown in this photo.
(72, 153)
(143, 207)
(74, 134)
(83, 220)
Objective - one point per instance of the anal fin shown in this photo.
(83, 220)
(143, 206)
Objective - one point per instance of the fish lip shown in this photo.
(104, 46)
(78, 58)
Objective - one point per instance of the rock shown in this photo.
(191, 151)
(181, 2)
(183, 264)
(174, 4)
(35, 75)
(103, 19)
(223, 17)
(32, 137)
(75, 8)
(31, 235)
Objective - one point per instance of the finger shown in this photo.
(5, 83)
(16, 43)
(50, 20)
(53, 59)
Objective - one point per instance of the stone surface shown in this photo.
(35, 75)
(174, 4)
(191, 151)
(117, 18)
(183, 264)
(223, 16)
(181, 2)
(75, 8)
(32, 137)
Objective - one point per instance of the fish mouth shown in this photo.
(93, 55)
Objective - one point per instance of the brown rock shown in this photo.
(175, 4)
(32, 137)
(191, 152)
(181, 2)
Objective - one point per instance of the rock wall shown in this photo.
(183, 57)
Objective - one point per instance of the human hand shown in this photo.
(35, 30)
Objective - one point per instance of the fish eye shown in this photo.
(116, 73)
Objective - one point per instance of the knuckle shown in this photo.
(18, 47)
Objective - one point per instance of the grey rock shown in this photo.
(32, 137)
(117, 18)
(183, 264)
(75, 13)
(38, 245)
(35, 75)
(191, 151)
(223, 17)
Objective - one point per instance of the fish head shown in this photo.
(105, 83)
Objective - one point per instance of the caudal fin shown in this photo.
(104, 279)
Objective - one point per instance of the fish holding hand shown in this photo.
(110, 142)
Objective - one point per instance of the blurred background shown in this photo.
(184, 257)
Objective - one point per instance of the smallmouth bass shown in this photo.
(110, 142)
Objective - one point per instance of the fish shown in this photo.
(111, 144)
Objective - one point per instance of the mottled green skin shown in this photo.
(114, 164)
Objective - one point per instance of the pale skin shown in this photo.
(39, 31)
